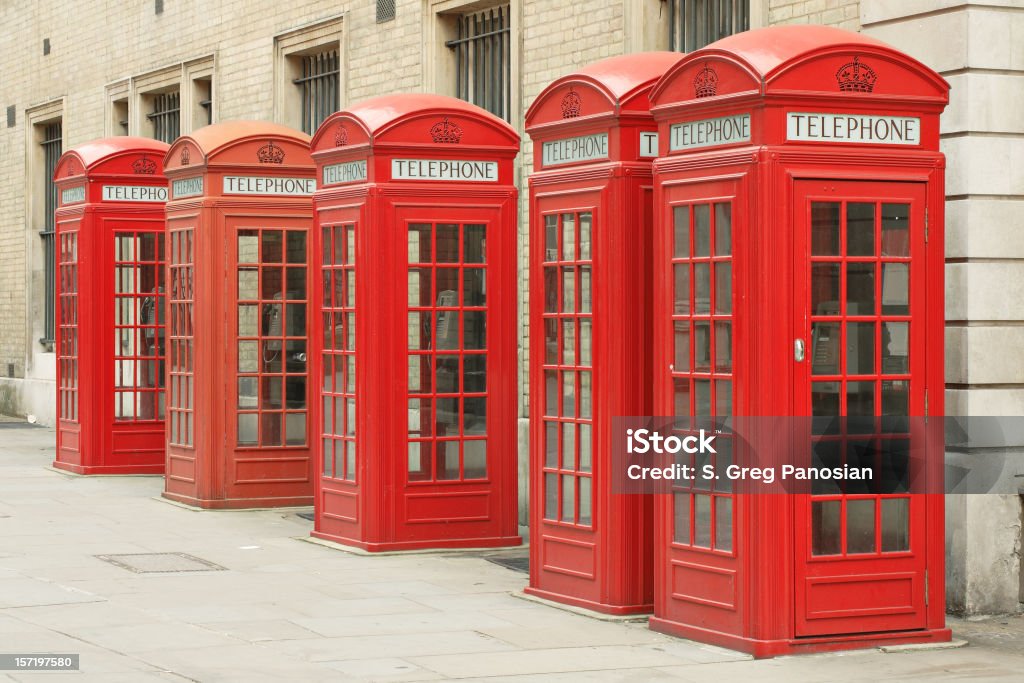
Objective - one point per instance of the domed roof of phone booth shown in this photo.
(620, 80)
(92, 156)
(773, 57)
(217, 139)
(381, 119)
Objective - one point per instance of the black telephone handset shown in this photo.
(447, 321)
(272, 327)
(825, 341)
(151, 313)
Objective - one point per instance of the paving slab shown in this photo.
(384, 670)
(406, 645)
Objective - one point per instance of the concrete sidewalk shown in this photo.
(274, 607)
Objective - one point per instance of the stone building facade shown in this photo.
(71, 74)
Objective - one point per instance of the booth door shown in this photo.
(455, 376)
(268, 392)
(703, 562)
(859, 287)
(67, 344)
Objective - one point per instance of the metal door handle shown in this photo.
(798, 350)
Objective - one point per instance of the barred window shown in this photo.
(385, 10)
(692, 24)
(52, 149)
(483, 64)
(319, 86)
(165, 117)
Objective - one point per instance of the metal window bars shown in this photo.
(483, 64)
(385, 10)
(692, 24)
(319, 85)
(166, 116)
(52, 149)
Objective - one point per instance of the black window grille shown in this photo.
(483, 60)
(692, 24)
(385, 10)
(52, 149)
(166, 116)
(319, 86)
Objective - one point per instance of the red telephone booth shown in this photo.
(416, 234)
(238, 220)
(590, 237)
(110, 307)
(799, 271)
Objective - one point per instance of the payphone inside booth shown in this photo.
(238, 219)
(798, 261)
(415, 300)
(591, 229)
(111, 307)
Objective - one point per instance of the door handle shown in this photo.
(798, 350)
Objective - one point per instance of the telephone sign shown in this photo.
(239, 394)
(111, 307)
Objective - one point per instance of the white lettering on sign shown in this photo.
(569, 150)
(348, 172)
(73, 195)
(853, 128)
(187, 187)
(724, 130)
(134, 193)
(441, 169)
(648, 144)
(251, 184)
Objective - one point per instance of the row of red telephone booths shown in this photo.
(333, 320)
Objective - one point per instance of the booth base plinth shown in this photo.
(599, 609)
(763, 649)
(108, 469)
(238, 503)
(377, 547)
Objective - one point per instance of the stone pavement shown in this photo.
(276, 608)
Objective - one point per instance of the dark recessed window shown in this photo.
(318, 84)
(692, 24)
(385, 10)
(483, 64)
(52, 149)
(165, 116)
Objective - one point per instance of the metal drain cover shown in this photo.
(516, 564)
(156, 563)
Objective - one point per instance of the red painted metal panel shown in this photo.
(110, 354)
(239, 262)
(416, 310)
(590, 239)
(830, 569)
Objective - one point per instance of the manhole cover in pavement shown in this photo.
(149, 563)
(518, 564)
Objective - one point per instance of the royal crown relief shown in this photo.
(144, 166)
(572, 105)
(856, 76)
(270, 154)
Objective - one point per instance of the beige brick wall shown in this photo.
(841, 13)
(109, 42)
